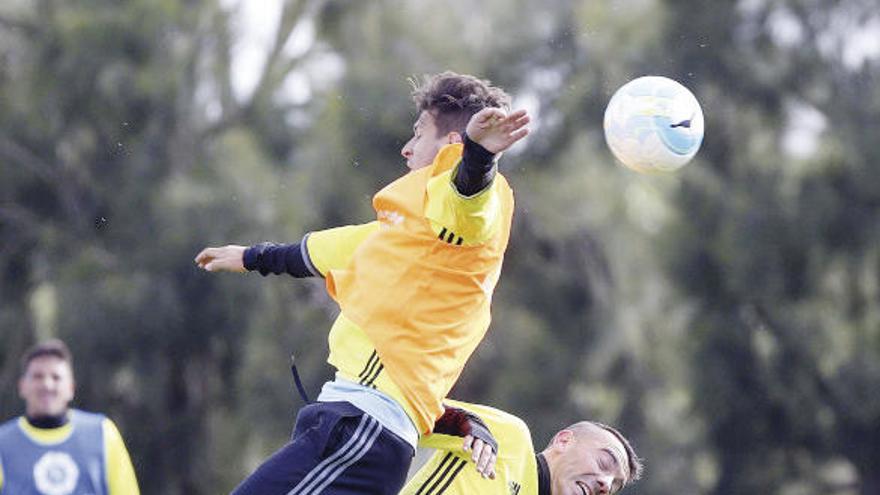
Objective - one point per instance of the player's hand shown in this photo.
(478, 440)
(222, 259)
(482, 454)
(493, 129)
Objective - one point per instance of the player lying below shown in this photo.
(586, 458)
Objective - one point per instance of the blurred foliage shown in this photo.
(725, 317)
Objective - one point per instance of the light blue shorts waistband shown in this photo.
(387, 411)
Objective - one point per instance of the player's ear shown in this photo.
(563, 439)
(453, 138)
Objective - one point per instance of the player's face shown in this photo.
(591, 464)
(421, 149)
(47, 386)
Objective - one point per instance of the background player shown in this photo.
(55, 450)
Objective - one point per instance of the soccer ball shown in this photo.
(653, 124)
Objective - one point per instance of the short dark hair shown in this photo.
(635, 463)
(52, 347)
(452, 99)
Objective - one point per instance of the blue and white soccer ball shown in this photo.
(653, 124)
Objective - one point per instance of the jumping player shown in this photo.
(414, 287)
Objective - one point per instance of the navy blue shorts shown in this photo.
(336, 449)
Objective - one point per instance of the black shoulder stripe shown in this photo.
(366, 377)
(365, 372)
(375, 375)
(450, 237)
(461, 464)
(435, 473)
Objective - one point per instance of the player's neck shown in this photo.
(46, 422)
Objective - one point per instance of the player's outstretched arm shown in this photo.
(228, 258)
(495, 130)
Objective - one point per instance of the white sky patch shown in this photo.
(530, 102)
(785, 29)
(750, 7)
(255, 27)
(803, 130)
(296, 89)
(320, 70)
(545, 79)
(301, 39)
(862, 45)
(851, 38)
(540, 81)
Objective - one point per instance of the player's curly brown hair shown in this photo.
(452, 99)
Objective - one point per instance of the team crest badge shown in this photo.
(56, 474)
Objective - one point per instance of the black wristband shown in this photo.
(251, 258)
(481, 431)
(476, 153)
(476, 170)
(268, 257)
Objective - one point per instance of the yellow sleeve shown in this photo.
(1, 476)
(332, 249)
(473, 219)
(121, 479)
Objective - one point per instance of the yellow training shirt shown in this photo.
(430, 244)
(450, 470)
